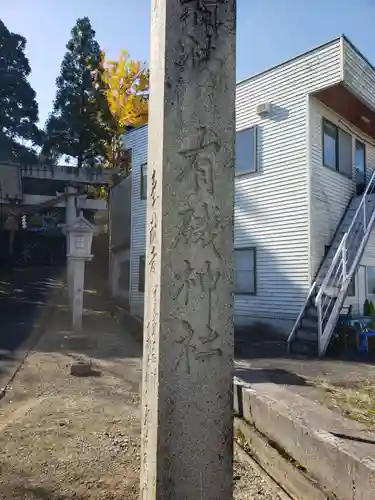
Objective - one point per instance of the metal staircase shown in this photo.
(317, 320)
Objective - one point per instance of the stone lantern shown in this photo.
(79, 234)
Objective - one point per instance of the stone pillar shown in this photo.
(70, 216)
(188, 333)
(70, 206)
(78, 286)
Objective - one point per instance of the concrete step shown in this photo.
(355, 202)
(311, 313)
(305, 347)
(307, 334)
(310, 324)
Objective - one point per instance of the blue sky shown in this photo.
(269, 31)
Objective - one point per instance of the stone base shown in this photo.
(76, 341)
(81, 369)
(338, 453)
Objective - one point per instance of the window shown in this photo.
(337, 149)
(370, 279)
(245, 271)
(351, 287)
(330, 142)
(144, 181)
(345, 154)
(246, 151)
(123, 281)
(141, 274)
(360, 159)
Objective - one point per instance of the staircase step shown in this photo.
(304, 347)
(311, 313)
(355, 202)
(306, 334)
(310, 324)
(306, 339)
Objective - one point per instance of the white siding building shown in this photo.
(136, 142)
(305, 141)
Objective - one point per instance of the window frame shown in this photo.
(354, 284)
(143, 185)
(255, 154)
(339, 130)
(124, 264)
(362, 143)
(367, 283)
(336, 167)
(141, 268)
(247, 249)
(343, 132)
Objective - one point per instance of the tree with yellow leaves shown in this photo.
(125, 85)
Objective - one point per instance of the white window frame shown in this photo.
(254, 168)
(253, 250)
(143, 181)
(338, 167)
(367, 283)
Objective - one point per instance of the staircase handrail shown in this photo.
(362, 201)
(298, 320)
(331, 267)
(361, 247)
(340, 253)
(323, 339)
(345, 237)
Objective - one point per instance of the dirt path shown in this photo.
(73, 438)
(66, 437)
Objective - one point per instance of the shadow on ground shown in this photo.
(24, 296)
(255, 343)
(99, 335)
(40, 493)
(260, 343)
(275, 376)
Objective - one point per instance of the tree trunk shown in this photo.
(81, 112)
(114, 152)
(11, 243)
(80, 157)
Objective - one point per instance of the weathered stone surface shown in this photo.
(77, 341)
(309, 432)
(81, 368)
(293, 480)
(188, 334)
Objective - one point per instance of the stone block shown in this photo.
(81, 368)
(76, 342)
(308, 432)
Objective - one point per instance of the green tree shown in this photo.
(18, 106)
(76, 126)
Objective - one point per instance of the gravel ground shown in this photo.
(64, 437)
(75, 438)
(248, 484)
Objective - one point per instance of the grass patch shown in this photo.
(354, 400)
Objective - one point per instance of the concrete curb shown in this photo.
(287, 475)
(130, 323)
(343, 466)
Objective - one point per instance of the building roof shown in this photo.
(303, 54)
